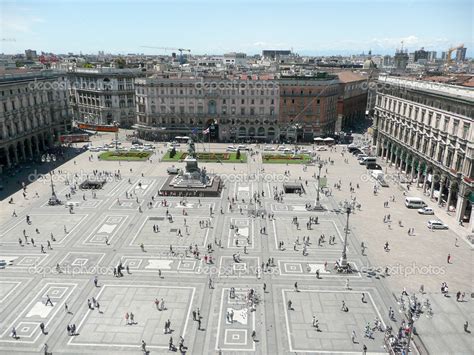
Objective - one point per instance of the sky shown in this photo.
(309, 27)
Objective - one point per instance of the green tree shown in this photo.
(173, 152)
(120, 63)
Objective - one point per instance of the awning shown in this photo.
(328, 139)
(318, 139)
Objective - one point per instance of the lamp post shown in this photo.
(318, 204)
(343, 262)
(53, 200)
(116, 124)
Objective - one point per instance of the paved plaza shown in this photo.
(129, 265)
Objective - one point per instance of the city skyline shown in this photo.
(207, 27)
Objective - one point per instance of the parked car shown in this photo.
(434, 224)
(268, 148)
(425, 210)
(231, 149)
(373, 167)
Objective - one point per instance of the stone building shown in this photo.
(103, 95)
(426, 130)
(352, 102)
(234, 109)
(34, 111)
(308, 106)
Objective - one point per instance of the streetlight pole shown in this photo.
(343, 262)
(318, 204)
(116, 124)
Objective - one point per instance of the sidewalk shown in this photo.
(440, 212)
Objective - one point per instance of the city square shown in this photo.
(125, 249)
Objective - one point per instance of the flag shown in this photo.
(206, 131)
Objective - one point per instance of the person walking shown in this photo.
(449, 258)
(48, 301)
(144, 347)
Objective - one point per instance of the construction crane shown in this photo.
(181, 50)
(450, 51)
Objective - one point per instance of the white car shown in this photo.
(242, 147)
(231, 149)
(322, 149)
(304, 151)
(281, 148)
(95, 149)
(268, 149)
(434, 224)
(426, 210)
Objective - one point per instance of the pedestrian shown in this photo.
(48, 301)
(254, 335)
(363, 298)
(466, 326)
(15, 336)
(353, 336)
(347, 284)
(144, 346)
(296, 286)
(126, 318)
(194, 315)
(132, 318)
(45, 349)
(96, 280)
(364, 349)
(199, 324)
(449, 258)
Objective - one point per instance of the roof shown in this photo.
(349, 76)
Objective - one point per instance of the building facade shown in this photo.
(426, 130)
(103, 95)
(308, 106)
(233, 109)
(352, 102)
(34, 111)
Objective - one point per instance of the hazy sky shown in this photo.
(218, 26)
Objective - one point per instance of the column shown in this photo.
(441, 187)
(450, 192)
(7, 154)
(22, 148)
(30, 149)
(460, 206)
(391, 155)
(432, 185)
(425, 181)
(15, 155)
(418, 176)
(412, 168)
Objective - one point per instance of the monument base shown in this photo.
(196, 190)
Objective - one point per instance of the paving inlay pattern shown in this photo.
(157, 245)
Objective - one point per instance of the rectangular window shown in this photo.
(465, 130)
(242, 111)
